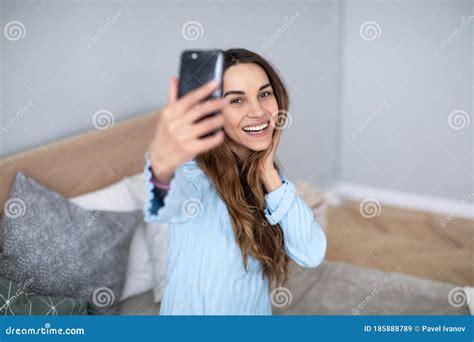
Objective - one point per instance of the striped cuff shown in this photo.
(155, 196)
(279, 201)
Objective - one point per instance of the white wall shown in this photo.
(370, 112)
(68, 77)
(398, 92)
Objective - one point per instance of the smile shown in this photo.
(259, 130)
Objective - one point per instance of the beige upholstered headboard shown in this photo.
(85, 162)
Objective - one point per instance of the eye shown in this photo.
(236, 99)
(266, 92)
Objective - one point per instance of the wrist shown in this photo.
(158, 185)
(163, 177)
(160, 172)
(271, 180)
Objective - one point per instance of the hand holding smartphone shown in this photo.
(198, 67)
(189, 124)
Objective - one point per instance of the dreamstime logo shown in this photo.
(458, 119)
(22, 288)
(374, 115)
(110, 21)
(14, 30)
(46, 330)
(103, 297)
(459, 30)
(457, 297)
(19, 114)
(287, 22)
(200, 112)
(192, 207)
(452, 213)
(14, 208)
(107, 26)
(370, 208)
(94, 217)
(282, 119)
(370, 30)
(280, 297)
(103, 119)
(378, 287)
(192, 30)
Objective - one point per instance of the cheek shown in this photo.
(232, 120)
(272, 105)
(231, 126)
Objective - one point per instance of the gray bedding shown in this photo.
(336, 288)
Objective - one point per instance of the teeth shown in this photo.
(255, 128)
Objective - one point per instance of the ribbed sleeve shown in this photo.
(173, 207)
(305, 241)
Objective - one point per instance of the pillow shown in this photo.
(16, 299)
(469, 294)
(1, 237)
(156, 236)
(157, 239)
(66, 250)
(118, 197)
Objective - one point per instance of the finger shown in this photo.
(274, 144)
(193, 97)
(276, 136)
(204, 108)
(206, 126)
(173, 90)
(208, 143)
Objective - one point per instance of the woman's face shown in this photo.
(248, 118)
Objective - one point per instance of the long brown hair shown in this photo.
(239, 183)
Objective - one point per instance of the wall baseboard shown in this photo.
(341, 190)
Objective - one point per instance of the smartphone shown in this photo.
(198, 67)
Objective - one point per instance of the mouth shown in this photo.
(257, 131)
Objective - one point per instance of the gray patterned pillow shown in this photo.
(62, 249)
(16, 299)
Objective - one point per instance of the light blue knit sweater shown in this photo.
(205, 272)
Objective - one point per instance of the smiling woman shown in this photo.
(255, 93)
(234, 218)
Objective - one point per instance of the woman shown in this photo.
(234, 219)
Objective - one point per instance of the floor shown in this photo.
(435, 247)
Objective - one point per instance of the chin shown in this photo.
(258, 147)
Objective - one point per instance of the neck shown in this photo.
(239, 150)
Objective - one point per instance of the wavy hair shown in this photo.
(239, 183)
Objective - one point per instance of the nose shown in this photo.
(256, 111)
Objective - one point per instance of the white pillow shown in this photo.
(469, 292)
(156, 236)
(117, 197)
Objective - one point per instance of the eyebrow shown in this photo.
(240, 92)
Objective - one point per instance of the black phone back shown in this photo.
(199, 67)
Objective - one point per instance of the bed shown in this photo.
(89, 162)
